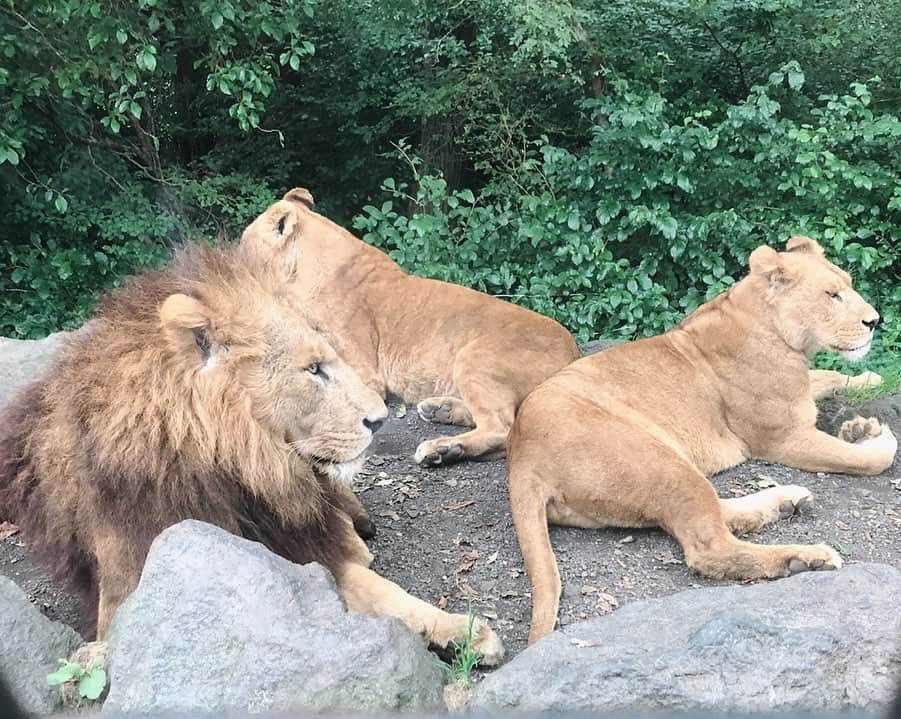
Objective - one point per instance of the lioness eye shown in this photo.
(834, 295)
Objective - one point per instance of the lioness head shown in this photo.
(816, 307)
(253, 363)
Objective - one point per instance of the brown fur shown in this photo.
(625, 437)
(201, 392)
(465, 357)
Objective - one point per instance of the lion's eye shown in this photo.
(835, 295)
(316, 370)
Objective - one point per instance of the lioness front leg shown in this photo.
(369, 593)
(825, 382)
(872, 453)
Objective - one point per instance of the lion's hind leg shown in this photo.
(369, 593)
(746, 514)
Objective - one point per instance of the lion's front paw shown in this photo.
(866, 379)
(814, 558)
(860, 429)
(486, 643)
(439, 451)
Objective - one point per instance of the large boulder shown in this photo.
(219, 624)
(30, 647)
(823, 641)
(22, 361)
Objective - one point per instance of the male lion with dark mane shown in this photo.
(625, 437)
(199, 391)
(467, 358)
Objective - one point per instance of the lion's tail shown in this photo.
(528, 506)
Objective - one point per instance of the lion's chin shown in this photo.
(342, 472)
(855, 353)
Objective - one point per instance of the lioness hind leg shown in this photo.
(700, 522)
(445, 410)
(745, 514)
(368, 593)
(736, 559)
(492, 407)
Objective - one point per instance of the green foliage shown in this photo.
(49, 281)
(466, 656)
(91, 682)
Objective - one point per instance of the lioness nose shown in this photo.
(871, 323)
(373, 424)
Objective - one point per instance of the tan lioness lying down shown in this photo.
(625, 437)
(467, 358)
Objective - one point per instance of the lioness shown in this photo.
(199, 391)
(624, 438)
(467, 358)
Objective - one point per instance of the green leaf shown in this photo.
(66, 672)
(121, 36)
(294, 62)
(217, 20)
(61, 203)
(795, 79)
(91, 685)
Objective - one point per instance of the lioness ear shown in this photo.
(300, 195)
(767, 262)
(186, 322)
(764, 260)
(800, 243)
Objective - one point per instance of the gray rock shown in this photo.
(22, 361)
(30, 647)
(823, 641)
(220, 624)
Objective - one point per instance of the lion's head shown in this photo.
(815, 305)
(214, 368)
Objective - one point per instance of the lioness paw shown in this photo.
(435, 452)
(866, 379)
(795, 500)
(815, 558)
(859, 429)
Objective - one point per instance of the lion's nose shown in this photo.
(871, 323)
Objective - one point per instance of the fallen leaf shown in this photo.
(627, 540)
(442, 601)
(492, 558)
(401, 411)
(8, 529)
(606, 603)
(467, 561)
(459, 505)
(583, 643)
(384, 482)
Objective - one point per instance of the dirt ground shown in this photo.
(445, 534)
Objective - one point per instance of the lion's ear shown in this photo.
(767, 262)
(800, 243)
(300, 195)
(186, 322)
